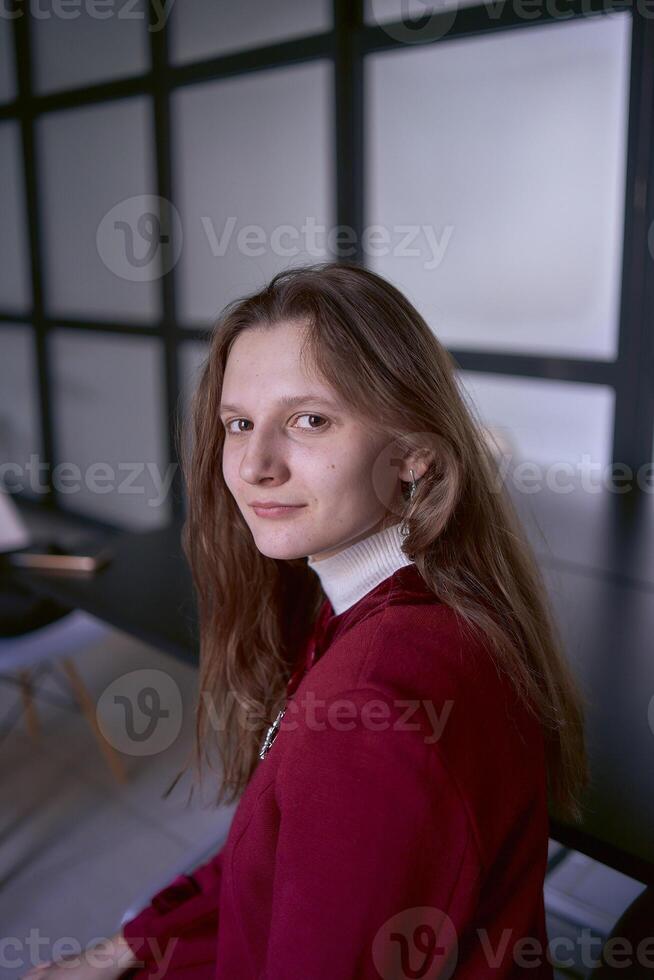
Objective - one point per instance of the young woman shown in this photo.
(357, 563)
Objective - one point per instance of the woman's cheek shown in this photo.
(229, 471)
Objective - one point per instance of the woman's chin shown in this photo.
(284, 550)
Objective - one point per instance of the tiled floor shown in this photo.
(77, 849)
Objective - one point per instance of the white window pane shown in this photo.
(192, 357)
(206, 28)
(7, 61)
(109, 408)
(20, 436)
(88, 44)
(97, 182)
(250, 153)
(545, 422)
(501, 195)
(414, 18)
(15, 293)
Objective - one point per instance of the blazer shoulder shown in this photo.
(407, 645)
(420, 644)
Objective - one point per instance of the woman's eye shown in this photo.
(311, 416)
(234, 431)
(309, 428)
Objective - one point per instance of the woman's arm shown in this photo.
(180, 922)
(186, 910)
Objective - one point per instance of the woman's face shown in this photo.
(311, 452)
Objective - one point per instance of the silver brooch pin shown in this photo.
(271, 734)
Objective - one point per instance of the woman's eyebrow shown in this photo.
(287, 401)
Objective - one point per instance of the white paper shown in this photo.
(13, 530)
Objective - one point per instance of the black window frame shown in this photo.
(346, 45)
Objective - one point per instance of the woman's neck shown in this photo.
(353, 572)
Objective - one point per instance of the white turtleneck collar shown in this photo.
(353, 572)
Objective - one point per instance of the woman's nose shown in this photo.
(263, 457)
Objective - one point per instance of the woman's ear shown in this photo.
(418, 461)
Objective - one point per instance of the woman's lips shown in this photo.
(283, 511)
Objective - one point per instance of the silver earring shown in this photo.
(404, 530)
(414, 485)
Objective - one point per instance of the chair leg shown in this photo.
(29, 705)
(85, 702)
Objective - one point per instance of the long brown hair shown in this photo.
(373, 347)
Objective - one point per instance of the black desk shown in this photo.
(146, 590)
(597, 557)
(596, 553)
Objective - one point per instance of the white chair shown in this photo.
(26, 657)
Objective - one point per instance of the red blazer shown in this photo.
(397, 827)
